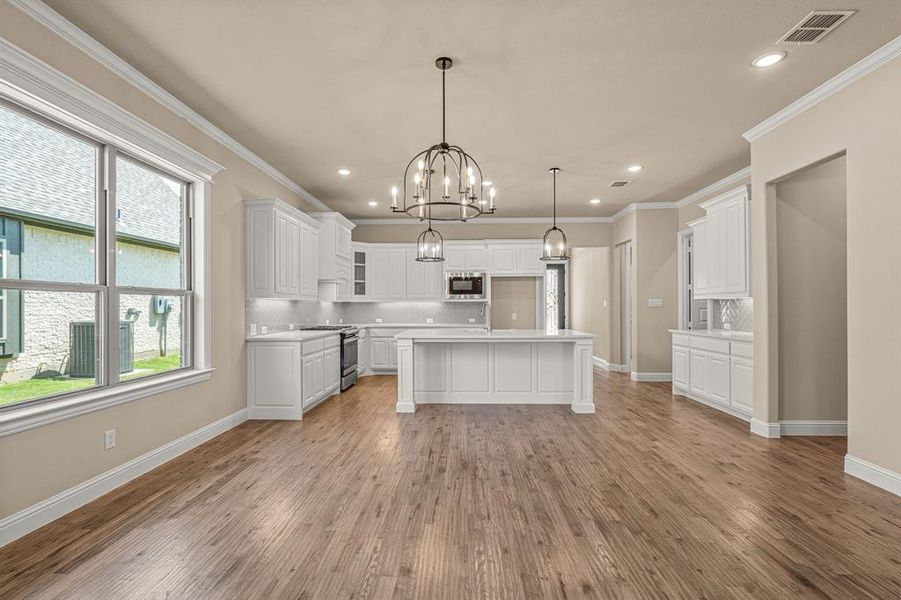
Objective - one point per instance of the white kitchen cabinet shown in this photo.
(681, 367)
(514, 257)
(360, 272)
(715, 370)
(309, 267)
(718, 377)
(392, 353)
(274, 381)
(278, 259)
(363, 352)
(380, 355)
(425, 280)
(312, 379)
(721, 247)
(388, 267)
(332, 369)
(469, 257)
(741, 393)
(700, 283)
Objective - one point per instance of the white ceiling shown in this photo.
(587, 86)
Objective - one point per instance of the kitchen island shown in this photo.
(511, 366)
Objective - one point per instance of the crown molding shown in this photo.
(636, 206)
(859, 69)
(714, 187)
(67, 30)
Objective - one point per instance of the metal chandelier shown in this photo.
(443, 182)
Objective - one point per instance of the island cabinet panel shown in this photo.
(469, 367)
(274, 381)
(430, 369)
(555, 366)
(513, 367)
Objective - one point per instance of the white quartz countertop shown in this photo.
(296, 335)
(476, 334)
(417, 325)
(721, 334)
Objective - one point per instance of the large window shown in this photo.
(95, 263)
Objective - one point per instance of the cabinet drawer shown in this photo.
(312, 347)
(702, 343)
(743, 349)
(680, 339)
(332, 341)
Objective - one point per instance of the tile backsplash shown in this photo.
(277, 314)
(738, 313)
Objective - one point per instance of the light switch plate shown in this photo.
(253, 329)
(378, 319)
(264, 329)
(513, 317)
(290, 326)
(471, 320)
(430, 320)
(655, 302)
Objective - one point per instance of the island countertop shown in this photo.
(497, 335)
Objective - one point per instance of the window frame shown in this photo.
(35, 89)
(4, 261)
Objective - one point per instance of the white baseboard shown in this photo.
(616, 368)
(837, 428)
(28, 519)
(873, 474)
(764, 429)
(651, 376)
(600, 363)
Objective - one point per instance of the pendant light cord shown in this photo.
(443, 109)
(555, 199)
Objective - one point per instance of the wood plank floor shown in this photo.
(654, 496)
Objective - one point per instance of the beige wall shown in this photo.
(514, 302)
(655, 256)
(590, 287)
(37, 464)
(862, 120)
(813, 292)
(578, 234)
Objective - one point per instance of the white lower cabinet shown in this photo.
(717, 372)
(379, 353)
(286, 378)
(383, 349)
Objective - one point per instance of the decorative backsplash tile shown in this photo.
(738, 313)
(278, 314)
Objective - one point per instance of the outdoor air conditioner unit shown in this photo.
(83, 344)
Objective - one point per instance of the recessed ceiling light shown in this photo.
(487, 183)
(634, 168)
(343, 172)
(373, 203)
(595, 200)
(769, 59)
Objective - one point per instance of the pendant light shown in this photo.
(444, 177)
(429, 244)
(554, 246)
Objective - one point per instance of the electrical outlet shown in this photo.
(109, 439)
(340, 321)
(290, 326)
(253, 329)
(513, 317)
(727, 325)
(430, 320)
(471, 320)
(378, 319)
(264, 329)
(328, 322)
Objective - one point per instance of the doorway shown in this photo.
(555, 296)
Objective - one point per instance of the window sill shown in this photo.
(45, 413)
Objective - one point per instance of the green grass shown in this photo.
(41, 388)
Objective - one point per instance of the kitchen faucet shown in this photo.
(486, 312)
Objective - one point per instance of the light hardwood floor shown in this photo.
(653, 496)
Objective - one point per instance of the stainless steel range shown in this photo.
(349, 338)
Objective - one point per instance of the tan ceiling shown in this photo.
(587, 86)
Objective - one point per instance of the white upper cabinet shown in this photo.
(279, 254)
(470, 257)
(720, 248)
(388, 272)
(700, 283)
(334, 246)
(425, 280)
(515, 257)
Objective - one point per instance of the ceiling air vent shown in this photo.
(618, 183)
(815, 26)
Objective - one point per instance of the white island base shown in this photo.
(474, 366)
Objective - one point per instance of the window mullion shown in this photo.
(110, 316)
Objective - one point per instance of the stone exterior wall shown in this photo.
(54, 255)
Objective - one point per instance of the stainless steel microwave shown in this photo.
(465, 286)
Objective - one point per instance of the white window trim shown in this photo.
(37, 86)
(4, 259)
